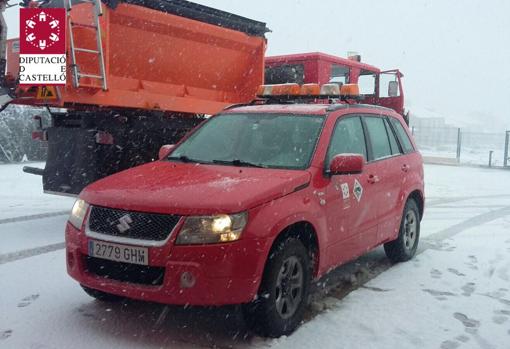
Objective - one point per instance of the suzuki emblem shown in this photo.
(124, 223)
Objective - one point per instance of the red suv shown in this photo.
(249, 208)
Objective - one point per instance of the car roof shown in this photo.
(303, 108)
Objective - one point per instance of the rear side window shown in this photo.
(378, 137)
(348, 138)
(402, 136)
(395, 149)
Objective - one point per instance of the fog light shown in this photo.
(188, 280)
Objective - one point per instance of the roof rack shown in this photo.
(335, 107)
(307, 99)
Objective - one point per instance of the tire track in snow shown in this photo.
(33, 217)
(432, 202)
(475, 221)
(15, 256)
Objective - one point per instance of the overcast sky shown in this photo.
(455, 54)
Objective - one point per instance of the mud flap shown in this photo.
(72, 161)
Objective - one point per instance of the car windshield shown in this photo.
(253, 140)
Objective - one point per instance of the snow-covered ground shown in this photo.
(469, 156)
(454, 294)
(21, 194)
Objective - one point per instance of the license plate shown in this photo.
(119, 253)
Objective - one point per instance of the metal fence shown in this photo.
(467, 147)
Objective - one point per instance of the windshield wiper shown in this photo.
(239, 163)
(185, 159)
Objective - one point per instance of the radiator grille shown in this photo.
(132, 225)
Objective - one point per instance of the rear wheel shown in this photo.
(284, 291)
(405, 246)
(102, 296)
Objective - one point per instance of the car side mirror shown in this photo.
(165, 150)
(393, 89)
(347, 164)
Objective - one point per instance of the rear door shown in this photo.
(409, 163)
(384, 174)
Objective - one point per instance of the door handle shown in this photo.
(406, 168)
(372, 179)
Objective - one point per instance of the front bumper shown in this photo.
(222, 274)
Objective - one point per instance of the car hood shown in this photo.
(192, 189)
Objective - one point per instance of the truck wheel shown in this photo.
(102, 296)
(283, 294)
(405, 246)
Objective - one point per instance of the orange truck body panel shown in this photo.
(159, 61)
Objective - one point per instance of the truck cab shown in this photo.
(252, 205)
(383, 88)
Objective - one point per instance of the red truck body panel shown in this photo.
(318, 66)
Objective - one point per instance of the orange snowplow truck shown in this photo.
(141, 74)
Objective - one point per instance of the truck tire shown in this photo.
(284, 291)
(102, 296)
(405, 246)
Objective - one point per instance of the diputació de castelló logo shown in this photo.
(42, 46)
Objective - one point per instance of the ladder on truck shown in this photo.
(98, 50)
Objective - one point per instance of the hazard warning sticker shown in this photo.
(345, 191)
(46, 92)
(357, 190)
(346, 195)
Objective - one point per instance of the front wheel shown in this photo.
(405, 246)
(284, 291)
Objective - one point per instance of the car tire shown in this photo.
(405, 246)
(283, 294)
(102, 296)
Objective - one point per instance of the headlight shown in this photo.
(212, 230)
(78, 213)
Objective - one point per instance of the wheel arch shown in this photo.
(417, 196)
(305, 232)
